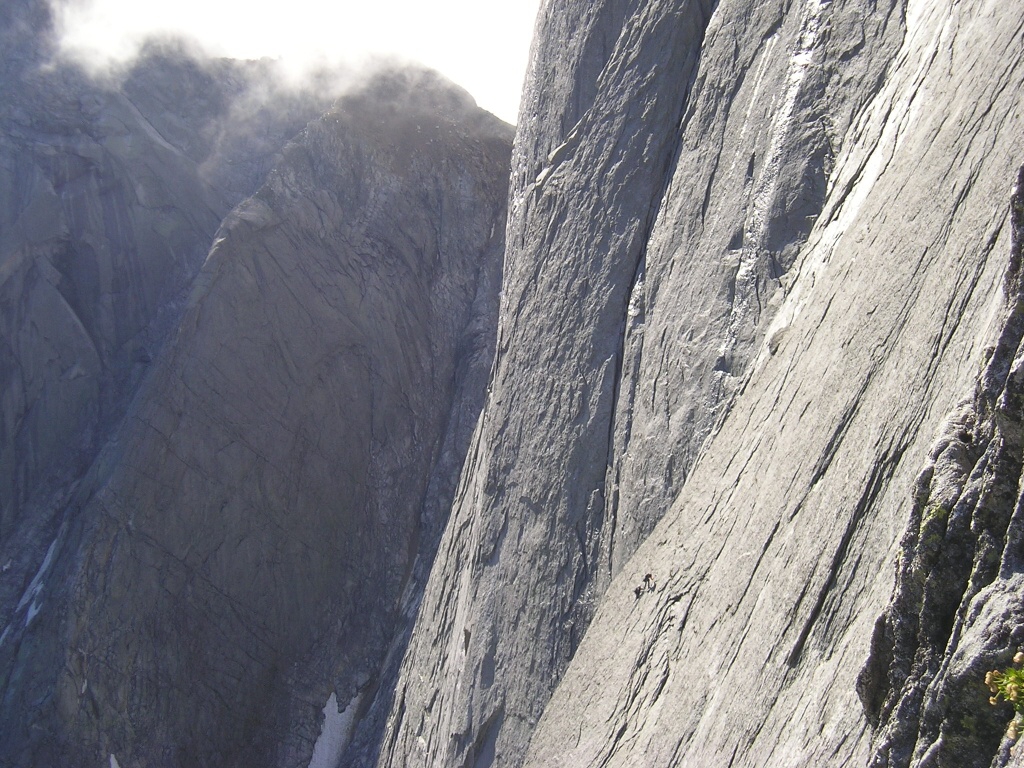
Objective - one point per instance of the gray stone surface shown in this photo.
(956, 611)
(240, 550)
(110, 193)
(778, 86)
(762, 336)
(509, 596)
(777, 554)
(759, 337)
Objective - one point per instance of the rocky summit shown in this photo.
(686, 430)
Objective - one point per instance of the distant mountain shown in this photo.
(219, 466)
(109, 198)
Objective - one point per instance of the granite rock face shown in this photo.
(110, 193)
(956, 610)
(772, 105)
(754, 257)
(238, 553)
(736, 483)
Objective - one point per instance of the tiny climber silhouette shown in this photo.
(638, 591)
(649, 582)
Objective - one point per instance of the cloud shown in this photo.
(482, 46)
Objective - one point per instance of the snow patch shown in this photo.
(636, 300)
(33, 611)
(113, 762)
(37, 582)
(335, 733)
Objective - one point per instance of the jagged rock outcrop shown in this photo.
(956, 610)
(753, 254)
(238, 554)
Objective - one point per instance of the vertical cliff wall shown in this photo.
(778, 553)
(110, 193)
(744, 488)
(754, 256)
(492, 635)
(238, 554)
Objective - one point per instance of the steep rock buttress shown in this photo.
(778, 552)
(238, 554)
(110, 193)
(671, 159)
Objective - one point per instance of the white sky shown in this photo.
(482, 45)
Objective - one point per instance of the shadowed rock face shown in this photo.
(586, 190)
(239, 551)
(109, 196)
(754, 254)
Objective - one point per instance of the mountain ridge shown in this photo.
(683, 430)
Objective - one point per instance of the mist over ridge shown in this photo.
(138, 207)
(484, 48)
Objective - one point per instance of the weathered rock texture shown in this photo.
(778, 551)
(754, 255)
(110, 194)
(777, 89)
(239, 552)
(956, 611)
(759, 339)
